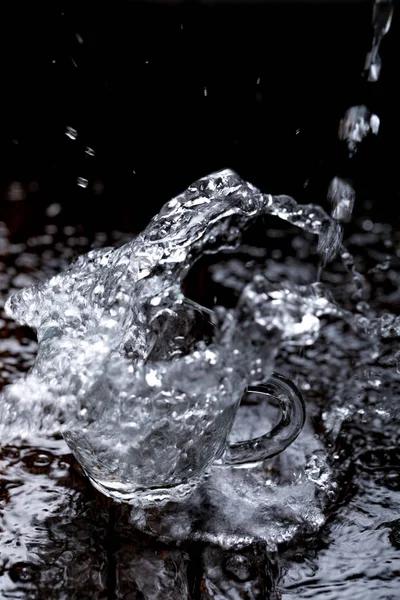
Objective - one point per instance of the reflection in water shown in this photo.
(53, 533)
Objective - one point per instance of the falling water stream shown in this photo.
(320, 520)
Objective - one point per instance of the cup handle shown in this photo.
(283, 434)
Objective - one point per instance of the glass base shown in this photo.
(145, 497)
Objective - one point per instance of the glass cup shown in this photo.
(152, 435)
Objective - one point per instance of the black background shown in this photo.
(135, 92)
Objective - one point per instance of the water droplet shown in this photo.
(341, 196)
(240, 568)
(82, 182)
(382, 14)
(71, 133)
(391, 481)
(380, 459)
(367, 225)
(69, 230)
(42, 460)
(375, 124)
(356, 124)
(38, 462)
(23, 572)
(16, 192)
(53, 209)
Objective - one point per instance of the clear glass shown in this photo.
(157, 443)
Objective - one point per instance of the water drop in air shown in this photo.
(53, 209)
(82, 182)
(71, 133)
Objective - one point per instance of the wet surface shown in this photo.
(62, 539)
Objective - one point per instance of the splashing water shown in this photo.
(103, 329)
(56, 529)
(344, 465)
(100, 317)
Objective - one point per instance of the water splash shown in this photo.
(101, 315)
(104, 331)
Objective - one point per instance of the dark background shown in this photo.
(130, 77)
